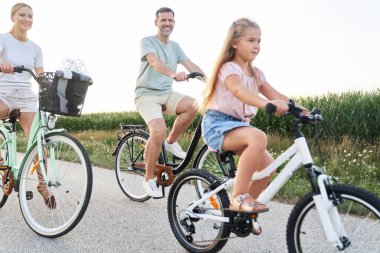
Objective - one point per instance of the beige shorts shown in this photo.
(151, 107)
(22, 98)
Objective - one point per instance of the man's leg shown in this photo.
(186, 110)
(157, 131)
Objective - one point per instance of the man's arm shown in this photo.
(192, 67)
(157, 64)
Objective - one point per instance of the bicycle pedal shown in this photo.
(4, 167)
(158, 197)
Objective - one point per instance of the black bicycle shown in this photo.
(130, 160)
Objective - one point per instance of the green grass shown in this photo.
(350, 138)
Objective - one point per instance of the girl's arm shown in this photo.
(247, 96)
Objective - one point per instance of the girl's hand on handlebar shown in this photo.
(281, 107)
(6, 68)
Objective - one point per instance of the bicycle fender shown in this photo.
(125, 137)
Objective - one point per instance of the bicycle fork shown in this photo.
(329, 215)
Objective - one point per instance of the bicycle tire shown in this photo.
(131, 149)
(361, 211)
(70, 183)
(208, 236)
(4, 155)
(207, 160)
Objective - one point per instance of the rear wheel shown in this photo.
(359, 212)
(130, 165)
(196, 234)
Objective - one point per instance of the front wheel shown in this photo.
(196, 234)
(68, 179)
(359, 213)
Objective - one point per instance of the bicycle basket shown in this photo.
(63, 93)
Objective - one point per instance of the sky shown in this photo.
(308, 48)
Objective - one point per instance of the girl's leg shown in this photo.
(251, 144)
(256, 187)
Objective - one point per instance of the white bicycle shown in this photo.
(332, 217)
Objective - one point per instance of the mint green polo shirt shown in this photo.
(149, 81)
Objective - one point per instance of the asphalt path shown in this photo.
(113, 223)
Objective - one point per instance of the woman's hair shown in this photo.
(16, 7)
(235, 32)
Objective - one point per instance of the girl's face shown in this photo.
(248, 46)
(23, 19)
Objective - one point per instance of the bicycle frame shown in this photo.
(298, 154)
(38, 130)
(177, 168)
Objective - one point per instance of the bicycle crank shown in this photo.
(166, 173)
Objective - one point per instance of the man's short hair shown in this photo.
(164, 9)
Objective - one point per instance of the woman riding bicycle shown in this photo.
(16, 88)
(231, 100)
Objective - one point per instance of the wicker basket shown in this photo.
(60, 95)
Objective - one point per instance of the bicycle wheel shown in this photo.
(130, 167)
(195, 234)
(69, 180)
(216, 163)
(212, 162)
(359, 212)
(3, 161)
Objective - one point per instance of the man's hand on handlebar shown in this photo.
(182, 76)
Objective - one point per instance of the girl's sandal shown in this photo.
(49, 199)
(243, 204)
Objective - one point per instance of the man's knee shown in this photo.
(187, 105)
(157, 129)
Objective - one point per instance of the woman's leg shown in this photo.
(26, 120)
(4, 110)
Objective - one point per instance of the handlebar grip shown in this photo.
(270, 108)
(18, 69)
(194, 74)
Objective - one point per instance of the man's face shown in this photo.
(165, 23)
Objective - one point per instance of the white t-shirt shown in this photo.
(27, 54)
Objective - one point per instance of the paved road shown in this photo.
(113, 223)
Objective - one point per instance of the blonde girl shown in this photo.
(231, 99)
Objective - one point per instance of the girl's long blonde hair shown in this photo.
(235, 32)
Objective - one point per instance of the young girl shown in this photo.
(230, 101)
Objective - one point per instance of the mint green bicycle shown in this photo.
(54, 179)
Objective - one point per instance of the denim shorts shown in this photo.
(215, 125)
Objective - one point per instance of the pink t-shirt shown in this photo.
(224, 101)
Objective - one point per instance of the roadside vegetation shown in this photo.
(348, 146)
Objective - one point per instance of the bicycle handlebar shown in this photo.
(194, 75)
(64, 74)
(314, 117)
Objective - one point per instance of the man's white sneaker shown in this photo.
(175, 149)
(151, 188)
